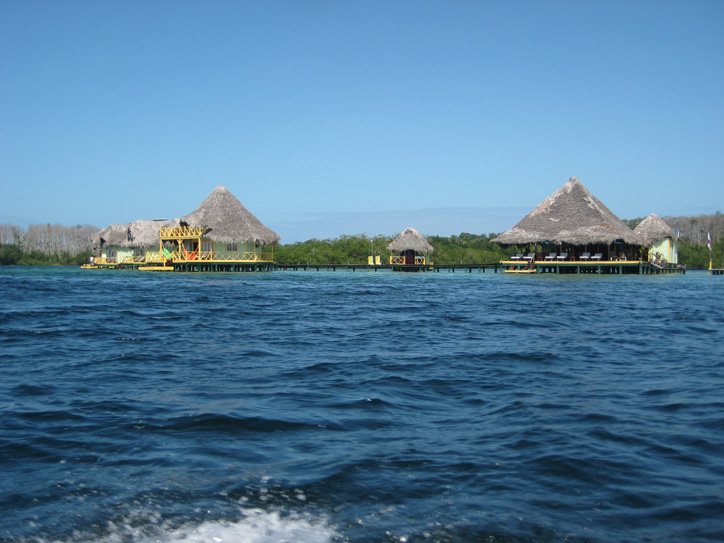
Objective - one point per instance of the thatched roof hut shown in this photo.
(653, 229)
(570, 215)
(410, 240)
(229, 220)
(143, 234)
(114, 234)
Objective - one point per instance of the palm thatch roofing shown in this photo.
(229, 220)
(143, 234)
(410, 240)
(570, 215)
(114, 234)
(653, 229)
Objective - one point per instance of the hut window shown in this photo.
(233, 247)
(137, 251)
(111, 253)
(206, 246)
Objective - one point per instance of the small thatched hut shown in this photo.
(575, 221)
(659, 238)
(127, 243)
(410, 248)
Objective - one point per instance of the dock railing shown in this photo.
(400, 260)
(213, 256)
(182, 231)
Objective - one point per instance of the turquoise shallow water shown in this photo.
(360, 407)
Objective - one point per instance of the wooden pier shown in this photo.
(613, 267)
(605, 267)
(450, 268)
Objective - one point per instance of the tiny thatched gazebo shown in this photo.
(573, 220)
(410, 248)
(660, 239)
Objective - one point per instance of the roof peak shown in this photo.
(229, 219)
(572, 214)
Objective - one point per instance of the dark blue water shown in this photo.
(361, 407)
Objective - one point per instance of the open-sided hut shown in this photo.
(574, 221)
(659, 238)
(221, 234)
(410, 248)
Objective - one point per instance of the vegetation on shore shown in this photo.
(13, 255)
(71, 246)
(465, 248)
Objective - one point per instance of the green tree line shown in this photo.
(465, 248)
(14, 255)
(697, 256)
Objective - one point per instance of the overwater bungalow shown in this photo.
(127, 244)
(219, 235)
(571, 231)
(660, 240)
(410, 251)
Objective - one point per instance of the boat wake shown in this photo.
(253, 526)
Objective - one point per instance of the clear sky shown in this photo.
(346, 117)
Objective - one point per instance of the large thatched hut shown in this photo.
(220, 231)
(573, 221)
(229, 221)
(219, 235)
(410, 248)
(660, 239)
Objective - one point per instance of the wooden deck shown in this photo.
(608, 267)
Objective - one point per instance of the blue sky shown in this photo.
(346, 117)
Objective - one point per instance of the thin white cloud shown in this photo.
(429, 222)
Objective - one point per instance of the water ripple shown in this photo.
(360, 407)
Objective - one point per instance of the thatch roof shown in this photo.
(410, 239)
(570, 215)
(229, 220)
(114, 234)
(146, 233)
(654, 229)
(136, 234)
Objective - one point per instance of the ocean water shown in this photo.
(319, 407)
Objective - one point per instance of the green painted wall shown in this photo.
(242, 248)
(666, 247)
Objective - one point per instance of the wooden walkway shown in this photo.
(609, 267)
(450, 268)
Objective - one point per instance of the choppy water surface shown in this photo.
(361, 407)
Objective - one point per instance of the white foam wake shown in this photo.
(255, 526)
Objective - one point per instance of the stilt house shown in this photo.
(574, 222)
(219, 235)
(660, 239)
(410, 248)
(128, 244)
